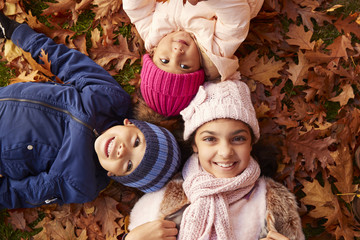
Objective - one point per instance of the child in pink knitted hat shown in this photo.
(186, 44)
(221, 194)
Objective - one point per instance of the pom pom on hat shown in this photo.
(168, 93)
(160, 162)
(227, 99)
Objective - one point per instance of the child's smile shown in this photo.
(121, 148)
(224, 147)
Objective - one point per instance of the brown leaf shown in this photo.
(299, 37)
(319, 197)
(310, 147)
(106, 213)
(299, 71)
(106, 7)
(346, 94)
(17, 219)
(114, 55)
(343, 172)
(339, 46)
(348, 25)
(247, 63)
(266, 69)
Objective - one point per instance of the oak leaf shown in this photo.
(106, 214)
(319, 197)
(339, 46)
(247, 63)
(346, 94)
(106, 7)
(17, 219)
(310, 147)
(114, 55)
(266, 69)
(299, 37)
(343, 172)
(299, 71)
(348, 25)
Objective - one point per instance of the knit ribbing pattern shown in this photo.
(168, 93)
(228, 99)
(160, 162)
(207, 217)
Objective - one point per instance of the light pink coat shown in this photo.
(219, 27)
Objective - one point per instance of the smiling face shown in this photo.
(223, 147)
(120, 149)
(177, 53)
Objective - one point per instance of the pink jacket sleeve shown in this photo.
(141, 14)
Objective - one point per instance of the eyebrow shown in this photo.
(233, 133)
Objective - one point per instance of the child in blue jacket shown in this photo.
(50, 149)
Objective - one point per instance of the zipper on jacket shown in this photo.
(54, 108)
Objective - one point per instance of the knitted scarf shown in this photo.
(207, 216)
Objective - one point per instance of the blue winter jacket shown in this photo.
(47, 130)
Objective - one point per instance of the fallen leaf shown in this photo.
(319, 197)
(266, 69)
(300, 38)
(346, 94)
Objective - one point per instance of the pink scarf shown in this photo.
(207, 216)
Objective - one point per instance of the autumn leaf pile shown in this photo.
(301, 61)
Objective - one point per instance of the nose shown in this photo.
(178, 50)
(121, 152)
(225, 150)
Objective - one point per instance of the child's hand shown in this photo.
(155, 230)
(274, 236)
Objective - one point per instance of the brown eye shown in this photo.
(163, 60)
(129, 167)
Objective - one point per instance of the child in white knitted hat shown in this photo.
(186, 41)
(221, 195)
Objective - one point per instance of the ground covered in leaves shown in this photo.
(301, 61)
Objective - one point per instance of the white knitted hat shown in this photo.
(227, 99)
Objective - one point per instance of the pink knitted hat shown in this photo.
(168, 93)
(227, 99)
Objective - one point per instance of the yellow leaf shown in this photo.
(333, 8)
(11, 51)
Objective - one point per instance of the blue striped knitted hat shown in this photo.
(160, 162)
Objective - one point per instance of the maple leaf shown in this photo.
(299, 71)
(299, 37)
(266, 69)
(346, 94)
(319, 197)
(310, 147)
